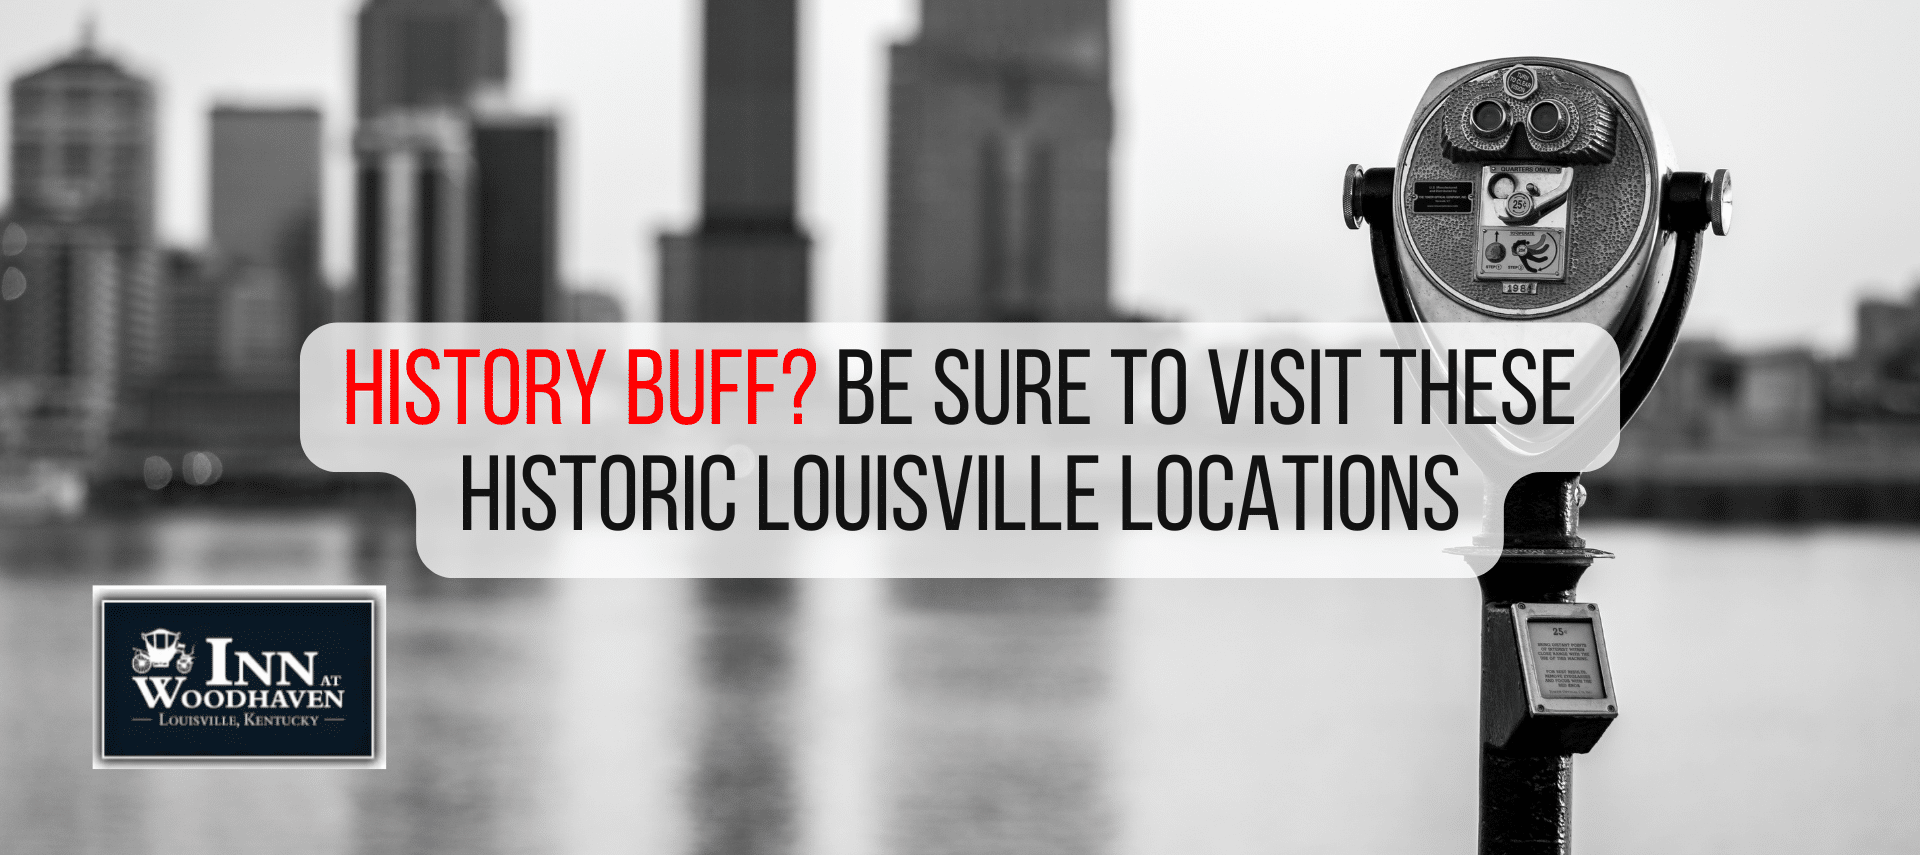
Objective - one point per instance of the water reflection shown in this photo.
(861, 717)
(469, 665)
(743, 795)
(999, 688)
(48, 804)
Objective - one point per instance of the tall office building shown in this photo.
(420, 64)
(429, 53)
(83, 158)
(77, 293)
(414, 216)
(746, 260)
(191, 342)
(457, 200)
(265, 226)
(59, 337)
(1000, 130)
(237, 313)
(515, 208)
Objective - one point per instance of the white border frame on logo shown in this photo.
(377, 594)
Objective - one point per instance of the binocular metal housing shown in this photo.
(1534, 188)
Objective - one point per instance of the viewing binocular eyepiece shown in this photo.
(1546, 120)
(1536, 188)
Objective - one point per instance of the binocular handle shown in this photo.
(1368, 198)
(1691, 202)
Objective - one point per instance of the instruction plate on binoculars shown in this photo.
(1523, 225)
(1563, 658)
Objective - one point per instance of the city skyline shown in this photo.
(1240, 233)
(998, 656)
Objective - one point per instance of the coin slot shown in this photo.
(1502, 185)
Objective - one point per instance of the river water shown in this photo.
(1767, 681)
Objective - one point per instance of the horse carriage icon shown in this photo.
(163, 649)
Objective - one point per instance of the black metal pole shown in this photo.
(1526, 799)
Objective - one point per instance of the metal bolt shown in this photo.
(1540, 707)
(1350, 196)
(1720, 202)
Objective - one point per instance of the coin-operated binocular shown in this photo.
(1533, 189)
(1537, 188)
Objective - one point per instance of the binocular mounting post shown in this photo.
(1526, 791)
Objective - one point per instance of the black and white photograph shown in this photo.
(1402, 445)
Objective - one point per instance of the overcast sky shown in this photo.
(1236, 120)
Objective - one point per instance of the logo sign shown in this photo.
(240, 676)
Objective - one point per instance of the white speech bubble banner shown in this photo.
(1204, 450)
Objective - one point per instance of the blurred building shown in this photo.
(82, 138)
(1000, 131)
(414, 216)
(746, 259)
(428, 53)
(584, 306)
(1713, 397)
(516, 218)
(77, 293)
(225, 405)
(58, 340)
(193, 315)
(1778, 434)
(265, 225)
(456, 199)
(228, 396)
(1881, 379)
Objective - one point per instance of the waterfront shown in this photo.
(1765, 678)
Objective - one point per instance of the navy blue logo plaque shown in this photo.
(240, 676)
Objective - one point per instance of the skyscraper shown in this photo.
(421, 62)
(746, 260)
(1000, 130)
(414, 216)
(457, 200)
(235, 315)
(515, 207)
(77, 296)
(429, 53)
(59, 344)
(191, 341)
(265, 213)
(83, 145)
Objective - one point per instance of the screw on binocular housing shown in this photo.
(1532, 189)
